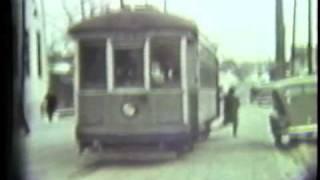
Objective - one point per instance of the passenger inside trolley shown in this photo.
(165, 67)
(157, 73)
(129, 67)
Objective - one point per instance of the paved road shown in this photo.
(53, 156)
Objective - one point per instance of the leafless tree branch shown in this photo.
(68, 13)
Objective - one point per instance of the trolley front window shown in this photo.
(165, 62)
(93, 64)
(128, 67)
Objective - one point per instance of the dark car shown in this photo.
(295, 110)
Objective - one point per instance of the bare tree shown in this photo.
(92, 9)
(74, 13)
(68, 13)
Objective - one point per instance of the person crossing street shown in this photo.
(231, 107)
(51, 105)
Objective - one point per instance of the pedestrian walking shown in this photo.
(51, 105)
(231, 107)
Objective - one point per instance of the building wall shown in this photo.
(36, 85)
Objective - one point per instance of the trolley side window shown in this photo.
(208, 75)
(295, 90)
(165, 62)
(208, 68)
(93, 64)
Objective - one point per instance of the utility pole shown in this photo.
(165, 6)
(44, 24)
(310, 70)
(293, 48)
(280, 41)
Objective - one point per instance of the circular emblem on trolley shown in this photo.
(129, 109)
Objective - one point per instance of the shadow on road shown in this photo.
(219, 145)
(257, 145)
(93, 165)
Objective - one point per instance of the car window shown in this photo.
(310, 88)
(294, 90)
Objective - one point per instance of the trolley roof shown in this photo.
(125, 21)
(283, 83)
(311, 79)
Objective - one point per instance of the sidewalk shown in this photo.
(49, 146)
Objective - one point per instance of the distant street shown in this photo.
(53, 155)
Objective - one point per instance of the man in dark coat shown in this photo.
(231, 107)
(52, 103)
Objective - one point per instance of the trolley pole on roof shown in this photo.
(165, 6)
(293, 55)
(121, 4)
(310, 70)
(280, 41)
(82, 8)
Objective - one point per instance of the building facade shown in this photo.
(36, 70)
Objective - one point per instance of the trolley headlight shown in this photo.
(129, 109)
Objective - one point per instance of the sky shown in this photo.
(243, 30)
